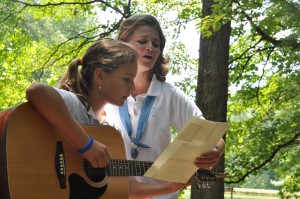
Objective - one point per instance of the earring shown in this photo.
(100, 88)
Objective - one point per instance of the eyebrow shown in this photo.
(146, 36)
(130, 74)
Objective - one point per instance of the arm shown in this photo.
(52, 107)
(183, 109)
(138, 190)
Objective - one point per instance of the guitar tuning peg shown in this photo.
(205, 175)
(219, 175)
(203, 184)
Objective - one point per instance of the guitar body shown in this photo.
(38, 163)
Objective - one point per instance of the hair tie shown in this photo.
(81, 61)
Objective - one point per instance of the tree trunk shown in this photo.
(212, 91)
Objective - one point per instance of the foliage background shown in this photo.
(40, 37)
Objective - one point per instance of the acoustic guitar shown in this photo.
(37, 162)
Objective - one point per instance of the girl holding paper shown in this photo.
(153, 108)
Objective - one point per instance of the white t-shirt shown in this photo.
(77, 109)
(171, 108)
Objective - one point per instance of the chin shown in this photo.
(116, 103)
(120, 103)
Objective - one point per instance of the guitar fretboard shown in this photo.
(127, 167)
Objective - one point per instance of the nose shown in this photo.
(132, 87)
(149, 47)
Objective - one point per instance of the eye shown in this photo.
(155, 44)
(142, 41)
(127, 79)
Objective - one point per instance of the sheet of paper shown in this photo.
(176, 163)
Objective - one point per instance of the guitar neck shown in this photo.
(118, 167)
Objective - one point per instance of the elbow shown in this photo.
(34, 91)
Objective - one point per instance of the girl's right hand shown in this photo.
(97, 155)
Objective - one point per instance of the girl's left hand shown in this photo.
(209, 159)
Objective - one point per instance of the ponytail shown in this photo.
(72, 81)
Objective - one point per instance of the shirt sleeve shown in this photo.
(69, 98)
(183, 108)
(75, 107)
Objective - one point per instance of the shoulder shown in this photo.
(158, 88)
(178, 98)
(65, 93)
(167, 90)
(172, 90)
(70, 99)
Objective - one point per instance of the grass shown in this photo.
(244, 194)
(241, 196)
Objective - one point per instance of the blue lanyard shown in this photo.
(144, 116)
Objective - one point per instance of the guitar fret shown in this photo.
(139, 170)
(122, 169)
(131, 170)
(127, 167)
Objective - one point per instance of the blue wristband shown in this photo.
(87, 146)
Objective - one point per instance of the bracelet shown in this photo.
(87, 146)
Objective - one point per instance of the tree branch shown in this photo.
(273, 154)
(266, 37)
(86, 41)
(70, 3)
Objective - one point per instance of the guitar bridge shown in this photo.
(60, 165)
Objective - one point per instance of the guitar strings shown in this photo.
(118, 167)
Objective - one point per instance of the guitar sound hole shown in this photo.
(94, 174)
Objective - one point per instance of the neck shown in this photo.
(142, 84)
(101, 115)
(97, 102)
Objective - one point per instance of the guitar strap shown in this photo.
(142, 123)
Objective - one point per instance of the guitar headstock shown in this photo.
(209, 175)
(204, 176)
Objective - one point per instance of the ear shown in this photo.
(98, 76)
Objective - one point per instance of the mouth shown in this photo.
(148, 57)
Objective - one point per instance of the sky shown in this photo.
(189, 37)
